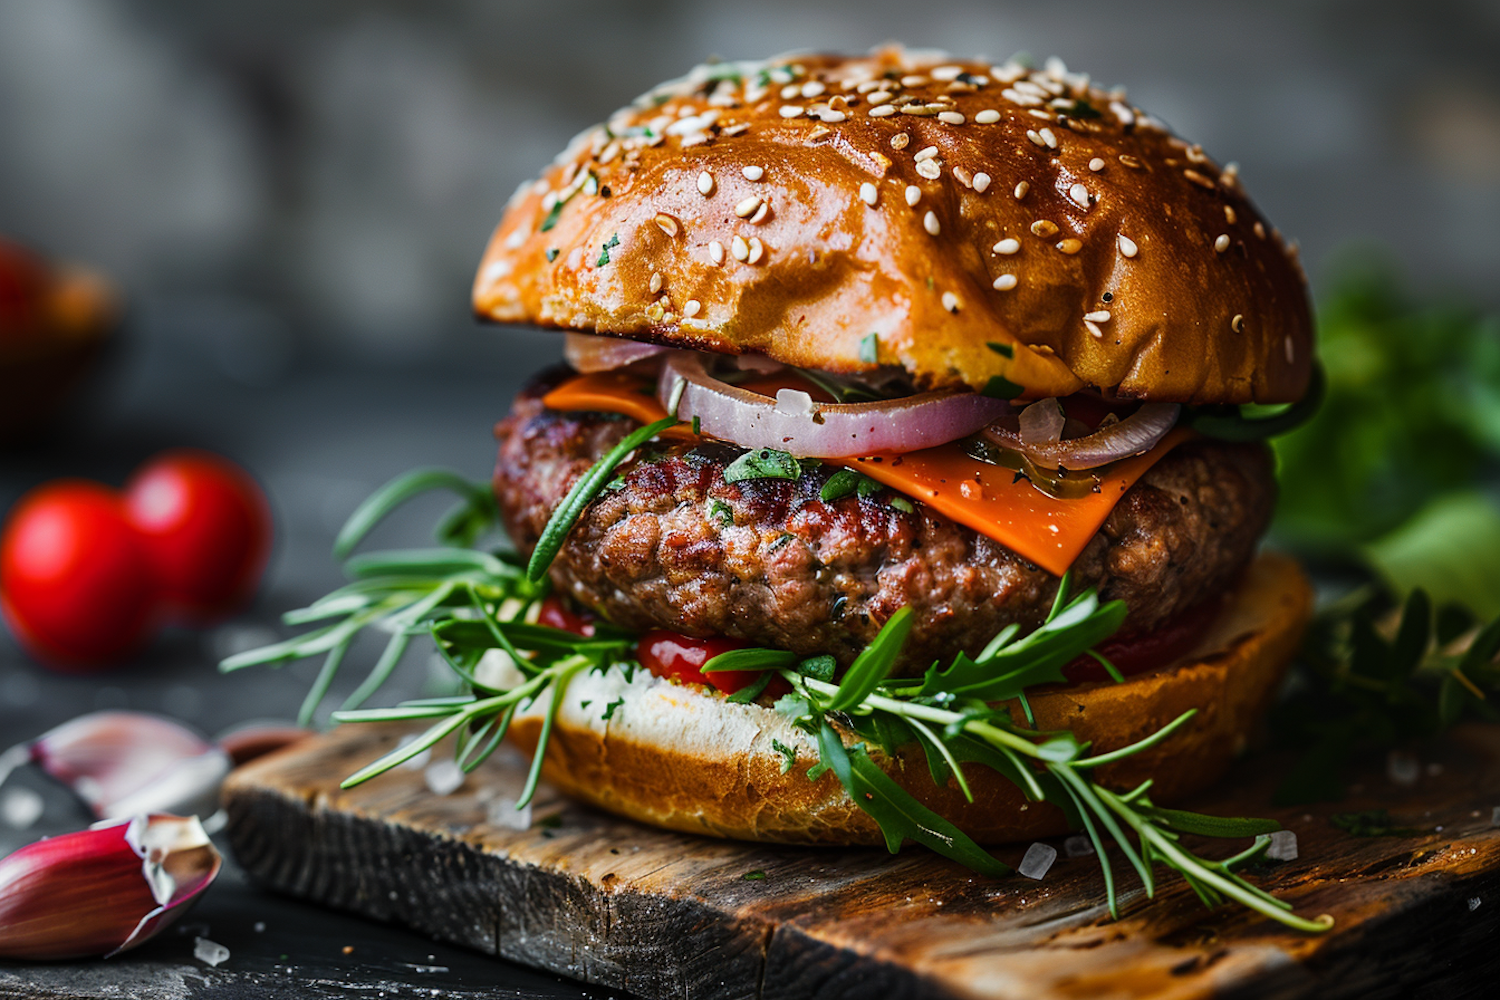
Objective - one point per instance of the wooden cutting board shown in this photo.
(661, 914)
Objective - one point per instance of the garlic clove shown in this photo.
(102, 890)
(125, 763)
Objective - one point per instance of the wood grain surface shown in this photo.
(664, 914)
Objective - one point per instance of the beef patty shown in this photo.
(672, 545)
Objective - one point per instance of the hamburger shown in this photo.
(942, 339)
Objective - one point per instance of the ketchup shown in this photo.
(681, 658)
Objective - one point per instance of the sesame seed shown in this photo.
(883, 111)
(690, 308)
(1096, 164)
(1035, 137)
(931, 224)
(981, 182)
(1043, 228)
(1021, 189)
(913, 194)
(1080, 195)
(1045, 116)
(1127, 246)
(792, 111)
(1016, 97)
(761, 213)
(666, 224)
(950, 302)
(1008, 246)
(1132, 162)
(1070, 246)
(790, 91)
(715, 252)
(747, 208)
(914, 80)
(830, 115)
(1094, 329)
(819, 132)
(866, 86)
(945, 74)
(1198, 179)
(1222, 243)
(736, 129)
(739, 248)
(1004, 283)
(753, 173)
(926, 153)
(655, 282)
(951, 117)
(1098, 316)
(705, 183)
(963, 177)
(988, 116)
(900, 140)
(880, 96)
(1238, 323)
(1229, 215)
(930, 169)
(757, 251)
(1291, 352)
(1260, 230)
(812, 88)
(1049, 138)
(868, 194)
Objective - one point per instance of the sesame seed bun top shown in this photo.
(980, 221)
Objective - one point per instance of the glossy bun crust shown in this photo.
(980, 220)
(673, 756)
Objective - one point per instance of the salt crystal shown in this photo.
(444, 777)
(20, 808)
(1078, 846)
(1283, 846)
(1474, 902)
(1402, 768)
(1038, 860)
(503, 812)
(208, 951)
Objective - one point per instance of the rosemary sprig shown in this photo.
(478, 607)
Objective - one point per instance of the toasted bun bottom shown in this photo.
(678, 757)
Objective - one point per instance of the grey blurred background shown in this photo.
(294, 196)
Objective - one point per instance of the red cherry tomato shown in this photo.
(206, 529)
(681, 657)
(75, 585)
(555, 614)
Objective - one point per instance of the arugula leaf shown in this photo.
(610, 244)
(763, 463)
(874, 664)
(900, 816)
(786, 752)
(841, 484)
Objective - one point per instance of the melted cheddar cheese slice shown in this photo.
(992, 500)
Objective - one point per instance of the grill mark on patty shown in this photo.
(794, 572)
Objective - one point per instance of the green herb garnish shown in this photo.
(610, 244)
(1371, 823)
(763, 463)
(786, 752)
(869, 348)
(1000, 387)
(1004, 350)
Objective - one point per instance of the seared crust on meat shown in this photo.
(767, 561)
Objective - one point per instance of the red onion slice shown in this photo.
(792, 422)
(1134, 435)
(588, 353)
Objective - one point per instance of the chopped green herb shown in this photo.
(609, 710)
(903, 504)
(609, 245)
(787, 752)
(552, 216)
(869, 349)
(763, 463)
(819, 668)
(781, 542)
(754, 876)
(1004, 350)
(552, 253)
(1000, 387)
(722, 513)
(696, 424)
(867, 486)
(841, 484)
(1083, 109)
